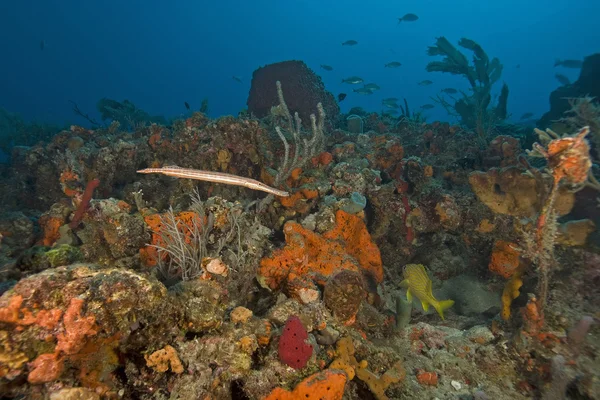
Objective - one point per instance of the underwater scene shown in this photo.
(311, 200)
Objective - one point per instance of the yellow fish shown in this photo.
(418, 284)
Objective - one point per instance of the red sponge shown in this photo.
(293, 349)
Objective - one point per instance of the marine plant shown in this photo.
(185, 242)
(473, 109)
(413, 119)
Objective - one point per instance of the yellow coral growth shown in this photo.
(10, 358)
(346, 362)
(161, 359)
(378, 384)
(511, 291)
(324, 385)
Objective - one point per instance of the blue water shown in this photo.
(159, 54)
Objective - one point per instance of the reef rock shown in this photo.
(588, 84)
(76, 321)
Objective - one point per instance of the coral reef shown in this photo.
(138, 290)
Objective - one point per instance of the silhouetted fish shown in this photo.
(426, 82)
(363, 90)
(42, 44)
(353, 80)
(527, 115)
(350, 43)
(562, 79)
(427, 106)
(450, 91)
(327, 67)
(237, 78)
(372, 87)
(187, 105)
(408, 18)
(341, 96)
(393, 64)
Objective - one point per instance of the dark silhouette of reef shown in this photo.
(296, 78)
(588, 84)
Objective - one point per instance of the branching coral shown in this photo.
(472, 109)
(305, 148)
(569, 164)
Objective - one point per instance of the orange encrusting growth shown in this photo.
(505, 259)
(324, 385)
(310, 258)
(50, 226)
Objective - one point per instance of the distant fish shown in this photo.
(326, 67)
(392, 112)
(450, 91)
(42, 45)
(393, 64)
(418, 284)
(237, 78)
(562, 79)
(426, 82)
(372, 86)
(427, 106)
(408, 18)
(518, 66)
(341, 96)
(353, 80)
(527, 115)
(568, 63)
(363, 90)
(187, 105)
(350, 43)
(390, 102)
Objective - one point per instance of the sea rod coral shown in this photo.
(568, 162)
